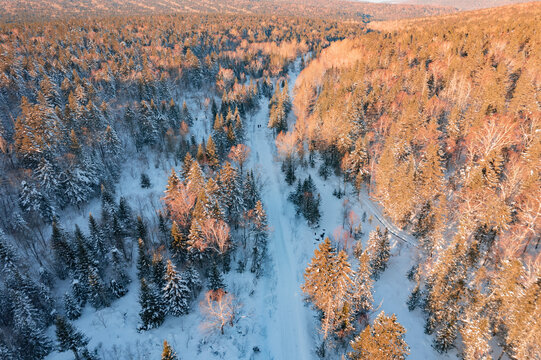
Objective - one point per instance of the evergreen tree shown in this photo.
(382, 341)
(71, 306)
(260, 231)
(142, 232)
(97, 239)
(143, 261)
(69, 338)
(97, 292)
(185, 115)
(145, 181)
(176, 293)
(123, 213)
(186, 165)
(30, 329)
(158, 270)
(212, 155)
(108, 206)
(152, 312)
(120, 279)
(379, 250)
(327, 283)
(193, 280)
(8, 255)
(168, 353)
(250, 193)
(306, 200)
(179, 242)
(362, 286)
(289, 170)
(231, 192)
(216, 280)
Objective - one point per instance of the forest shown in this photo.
(244, 180)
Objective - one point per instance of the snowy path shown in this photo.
(290, 328)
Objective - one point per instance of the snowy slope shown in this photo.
(274, 317)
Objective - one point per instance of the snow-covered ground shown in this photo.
(273, 317)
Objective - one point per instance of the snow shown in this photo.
(273, 316)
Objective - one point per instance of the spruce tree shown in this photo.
(71, 306)
(142, 232)
(8, 255)
(64, 256)
(380, 251)
(216, 280)
(69, 338)
(212, 155)
(97, 238)
(362, 286)
(179, 242)
(120, 279)
(260, 232)
(30, 329)
(382, 341)
(176, 293)
(143, 261)
(193, 280)
(168, 353)
(158, 270)
(152, 311)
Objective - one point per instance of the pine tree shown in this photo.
(327, 282)
(193, 281)
(382, 341)
(173, 183)
(195, 181)
(362, 298)
(168, 353)
(30, 329)
(8, 255)
(289, 170)
(179, 242)
(97, 238)
(158, 270)
(145, 181)
(250, 192)
(108, 206)
(120, 279)
(143, 261)
(260, 231)
(69, 338)
(379, 250)
(152, 312)
(212, 155)
(71, 306)
(142, 232)
(123, 214)
(216, 280)
(83, 256)
(176, 293)
(185, 114)
(97, 292)
(186, 165)
(231, 192)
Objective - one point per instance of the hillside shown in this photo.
(440, 119)
(11, 10)
(466, 4)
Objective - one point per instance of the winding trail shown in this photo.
(290, 328)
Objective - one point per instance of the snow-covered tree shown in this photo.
(69, 338)
(152, 311)
(379, 249)
(176, 293)
(382, 341)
